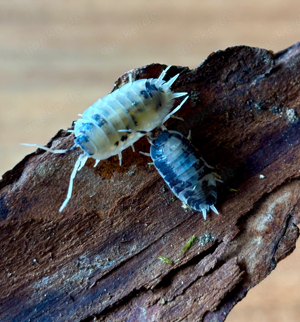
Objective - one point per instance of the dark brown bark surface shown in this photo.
(98, 259)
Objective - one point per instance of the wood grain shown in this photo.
(99, 258)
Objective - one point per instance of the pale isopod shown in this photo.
(184, 170)
(140, 105)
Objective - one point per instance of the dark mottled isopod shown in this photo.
(184, 170)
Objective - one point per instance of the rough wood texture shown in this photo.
(98, 260)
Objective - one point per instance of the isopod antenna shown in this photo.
(77, 167)
(48, 149)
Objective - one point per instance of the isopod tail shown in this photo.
(214, 209)
(203, 209)
(175, 110)
(170, 82)
(163, 74)
(166, 86)
(180, 94)
(78, 166)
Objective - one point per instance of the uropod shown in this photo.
(189, 177)
(140, 105)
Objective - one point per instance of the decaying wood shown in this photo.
(98, 260)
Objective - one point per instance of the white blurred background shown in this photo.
(58, 57)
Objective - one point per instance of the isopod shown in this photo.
(184, 170)
(140, 105)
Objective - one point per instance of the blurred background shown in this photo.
(57, 58)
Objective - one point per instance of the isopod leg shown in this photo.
(217, 177)
(120, 158)
(177, 118)
(82, 163)
(207, 165)
(132, 146)
(78, 165)
(145, 153)
(190, 135)
(130, 78)
(96, 162)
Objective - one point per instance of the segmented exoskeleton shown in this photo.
(140, 105)
(184, 170)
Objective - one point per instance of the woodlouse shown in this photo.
(184, 170)
(140, 105)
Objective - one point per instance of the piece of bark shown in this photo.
(98, 259)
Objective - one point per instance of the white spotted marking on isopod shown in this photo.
(140, 105)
